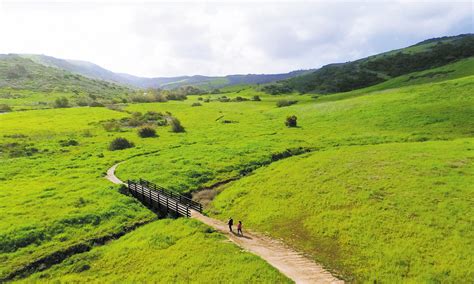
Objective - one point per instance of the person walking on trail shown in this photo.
(230, 223)
(239, 229)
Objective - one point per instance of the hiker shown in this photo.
(230, 223)
(239, 229)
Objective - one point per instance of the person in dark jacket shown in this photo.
(230, 223)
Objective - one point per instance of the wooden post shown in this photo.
(158, 196)
(149, 195)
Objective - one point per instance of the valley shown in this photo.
(373, 184)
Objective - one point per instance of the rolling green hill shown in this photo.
(378, 68)
(94, 71)
(21, 73)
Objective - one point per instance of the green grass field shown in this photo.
(166, 251)
(390, 212)
(384, 195)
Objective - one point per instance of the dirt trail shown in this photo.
(111, 175)
(289, 262)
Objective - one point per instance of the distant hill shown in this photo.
(26, 73)
(332, 78)
(375, 69)
(94, 71)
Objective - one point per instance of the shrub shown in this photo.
(111, 126)
(175, 125)
(115, 107)
(82, 102)
(240, 99)
(277, 89)
(120, 144)
(256, 98)
(146, 131)
(176, 97)
(291, 121)
(200, 99)
(206, 100)
(15, 150)
(61, 102)
(123, 189)
(96, 104)
(70, 142)
(5, 108)
(284, 103)
(196, 104)
(87, 133)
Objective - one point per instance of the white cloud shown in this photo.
(215, 38)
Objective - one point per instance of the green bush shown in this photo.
(224, 99)
(291, 121)
(176, 125)
(82, 102)
(96, 104)
(5, 108)
(256, 98)
(240, 99)
(111, 126)
(123, 189)
(120, 144)
(61, 102)
(69, 142)
(146, 131)
(284, 103)
(277, 89)
(196, 104)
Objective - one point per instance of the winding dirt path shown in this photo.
(289, 262)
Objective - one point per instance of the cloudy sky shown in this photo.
(158, 38)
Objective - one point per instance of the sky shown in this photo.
(171, 38)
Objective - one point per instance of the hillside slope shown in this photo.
(375, 69)
(21, 73)
(94, 71)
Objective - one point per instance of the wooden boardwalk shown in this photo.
(162, 199)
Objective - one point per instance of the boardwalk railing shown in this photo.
(173, 195)
(161, 198)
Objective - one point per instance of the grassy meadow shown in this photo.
(385, 193)
(167, 251)
(389, 212)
